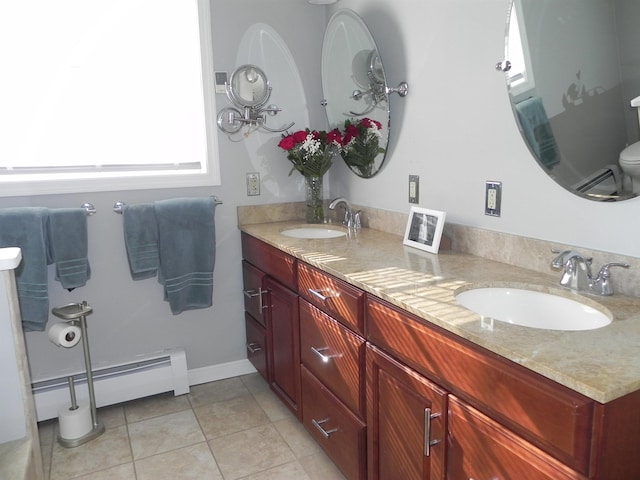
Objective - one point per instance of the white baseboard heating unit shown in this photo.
(146, 376)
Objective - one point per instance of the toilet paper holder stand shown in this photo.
(77, 312)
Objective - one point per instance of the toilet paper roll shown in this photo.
(64, 334)
(74, 423)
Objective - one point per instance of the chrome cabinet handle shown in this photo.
(318, 425)
(323, 357)
(324, 298)
(428, 443)
(254, 347)
(256, 293)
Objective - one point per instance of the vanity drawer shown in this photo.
(551, 416)
(479, 448)
(340, 433)
(254, 294)
(256, 344)
(277, 263)
(335, 297)
(334, 354)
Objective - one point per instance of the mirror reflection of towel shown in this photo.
(537, 130)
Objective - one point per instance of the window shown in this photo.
(521, 74)
(106, 95)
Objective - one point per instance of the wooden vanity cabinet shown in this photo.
(406, 422)
(333, 368)
(271, 304)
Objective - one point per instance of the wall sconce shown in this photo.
(249, 91)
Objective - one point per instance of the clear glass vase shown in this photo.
(314, 202)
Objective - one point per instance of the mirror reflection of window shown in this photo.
(520, 77)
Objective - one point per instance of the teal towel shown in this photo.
(186, 233)
(26, 227)
(141, 240)
(537, 130)
(69, 246)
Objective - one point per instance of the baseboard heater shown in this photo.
(146, 376)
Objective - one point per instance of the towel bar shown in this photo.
(89, 208)
(117, 207)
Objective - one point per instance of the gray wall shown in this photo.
(455, 129)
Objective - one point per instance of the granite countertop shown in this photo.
(602, 364)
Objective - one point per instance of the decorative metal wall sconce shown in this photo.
(249, 91)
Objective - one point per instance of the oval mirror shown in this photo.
(249, 86)
(572, 78)
(355, 87)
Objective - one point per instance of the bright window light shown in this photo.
(106, 95)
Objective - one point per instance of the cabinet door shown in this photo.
(480, 448)
(406, 417)
(256, 345)
(283, 333)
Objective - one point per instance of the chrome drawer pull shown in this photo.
(428, 443)
(256, 293)
(318, 293)
(318, 425)
(254, 347)
(323, 357)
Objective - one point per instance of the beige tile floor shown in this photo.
(227, 430)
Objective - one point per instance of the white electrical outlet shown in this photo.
(253, 183)
(493, 198)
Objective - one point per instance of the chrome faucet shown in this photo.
(351, 218)
(577, 275)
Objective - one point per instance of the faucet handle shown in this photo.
(604, 271)
(357, 221)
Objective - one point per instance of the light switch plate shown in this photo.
(493, 198)
(414, 188)
(221, 82)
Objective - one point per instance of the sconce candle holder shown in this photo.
(249, 91)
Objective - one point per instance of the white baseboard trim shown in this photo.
(212, 373)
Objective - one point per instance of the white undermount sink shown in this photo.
(533, 309)
(313, 232)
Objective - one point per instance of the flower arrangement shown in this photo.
(311, 151)
(361, 144)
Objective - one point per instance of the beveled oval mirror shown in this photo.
(354, 84)
(574, 71)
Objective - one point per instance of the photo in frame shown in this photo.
(424, 229)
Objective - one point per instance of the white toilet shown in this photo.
(630, 156)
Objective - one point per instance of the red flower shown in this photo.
(334, 136)
(287, 143)
(300, 136)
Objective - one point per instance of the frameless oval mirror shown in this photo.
(574, 71)
(355, 87)
(249, 86)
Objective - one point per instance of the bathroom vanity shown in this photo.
(363, 340)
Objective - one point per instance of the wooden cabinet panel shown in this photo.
(547, 414)
(276, 263)
(283, 343)
(256, 345)
(333, 296)
(480, 448)
(334, 354)
(254, 298)
(406, 419)
(338, 431)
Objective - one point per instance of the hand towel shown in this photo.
(141, 240)
(69, 246)
(186, 233)
(26, 227)
(537, 130)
